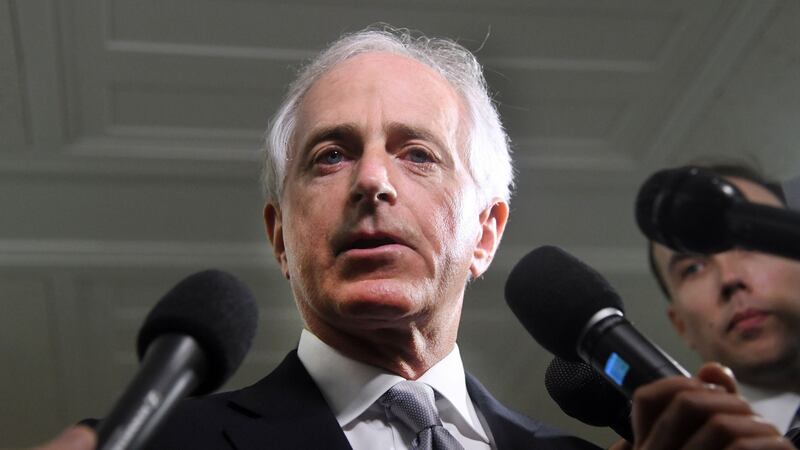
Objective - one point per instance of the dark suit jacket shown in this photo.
(286, 410)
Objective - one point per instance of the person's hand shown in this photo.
(702, 412)
(73, 438)
(621, 444)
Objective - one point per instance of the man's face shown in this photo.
(378, 226)
(740, 307)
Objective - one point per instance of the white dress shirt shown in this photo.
(352, 388)
(777, 408)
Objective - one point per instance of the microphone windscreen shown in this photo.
(218, 311)
(650, 209)
(554, 295)
(584, 394)
(686, 208)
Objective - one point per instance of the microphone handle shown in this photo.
(172, 368)
(624, 356)
(765, 228)
(622, 423)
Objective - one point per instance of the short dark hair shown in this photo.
(728, 169)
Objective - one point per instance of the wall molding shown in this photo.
(244, 170)
(743, 27)
(208, 51)
(570, 154)
(622, 260)
(166, 143)
(83, 253)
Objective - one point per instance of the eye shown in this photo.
(330, 157)
(690, 268)
(419, 155)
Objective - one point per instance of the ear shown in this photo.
(273, 224)
(678, 324)
(492, 222)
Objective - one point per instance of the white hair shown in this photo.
(487, 147)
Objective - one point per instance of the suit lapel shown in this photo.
(505, 432)
(511, 430)
(284, 410)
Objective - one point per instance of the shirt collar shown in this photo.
(350, 387)
(776, 407)
(447, 378)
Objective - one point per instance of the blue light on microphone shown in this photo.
(616, 368)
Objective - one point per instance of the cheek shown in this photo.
(305, 237)
(701, 317)
(778, 276)
(699, 325)
(455, 223)
(700, 335)
(699, 293)
(780, 287)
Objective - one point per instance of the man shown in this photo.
(742, 309)
(387, 176)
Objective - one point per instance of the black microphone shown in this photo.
(191, 342)
(692, 210)
(584, 394)
(573, 312)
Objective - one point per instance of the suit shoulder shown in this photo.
(196, 423)
(513, 430)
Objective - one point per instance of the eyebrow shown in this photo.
(338, 132)
(676, 259)
(412, 132)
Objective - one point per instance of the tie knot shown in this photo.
(413, 403)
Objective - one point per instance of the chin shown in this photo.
(761, 353)
(380, 300)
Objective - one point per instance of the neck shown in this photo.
(779, 377)
(408, 353)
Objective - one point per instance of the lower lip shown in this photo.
(382, 250)
(750, 322)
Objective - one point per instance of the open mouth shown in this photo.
(368, 242)
(371, 243)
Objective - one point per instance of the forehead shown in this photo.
(752, 191)
(380, 86)
(755, 192)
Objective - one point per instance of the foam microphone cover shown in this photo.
(686, 209)
(218, 311)
(554, 295)
(584, 394)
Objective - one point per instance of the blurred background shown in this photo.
(129, 132)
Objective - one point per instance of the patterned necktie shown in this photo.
(413, 403)
(794, 430)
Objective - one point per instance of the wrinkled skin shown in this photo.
(379, 226)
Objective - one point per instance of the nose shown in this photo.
(372, 179)
(733, 273)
